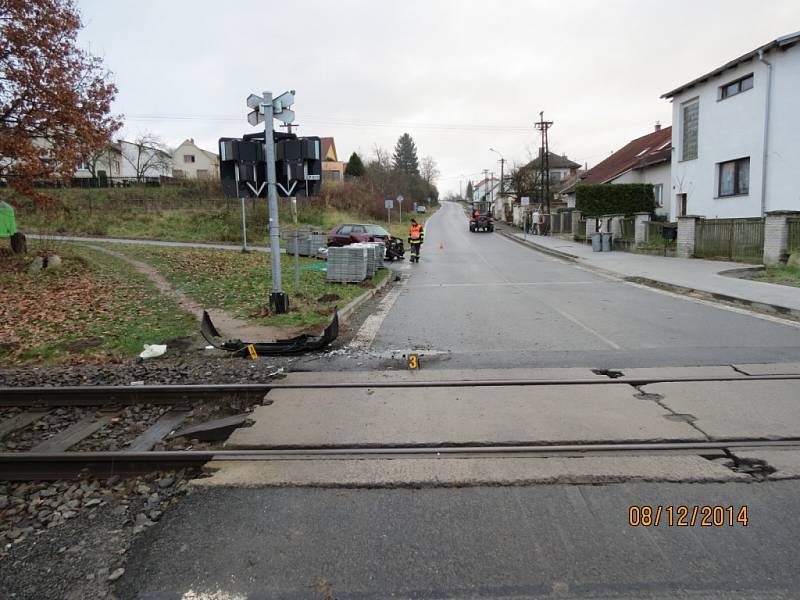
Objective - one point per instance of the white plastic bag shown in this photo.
(153, 351)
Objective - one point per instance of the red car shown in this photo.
(352, 233)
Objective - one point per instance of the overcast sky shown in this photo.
(459, 76)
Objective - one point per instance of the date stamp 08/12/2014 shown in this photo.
(687, 516)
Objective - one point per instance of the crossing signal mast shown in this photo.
(269, 164)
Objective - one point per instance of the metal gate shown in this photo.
(740, 240)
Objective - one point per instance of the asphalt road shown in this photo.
(480, 300)
(554, 541)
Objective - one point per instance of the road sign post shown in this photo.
(389, 204)
(400, 205)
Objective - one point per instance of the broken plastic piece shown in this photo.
(295, 345)
(153, 350)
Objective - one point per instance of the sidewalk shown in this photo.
(690, 273)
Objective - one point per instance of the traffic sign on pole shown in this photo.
(254, 118)
(254, 101)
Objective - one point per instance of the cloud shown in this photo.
(459, 76)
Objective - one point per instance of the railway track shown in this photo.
(56, 456)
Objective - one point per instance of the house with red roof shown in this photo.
(646, 159)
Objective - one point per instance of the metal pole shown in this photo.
(244, 211)
(400, 204)
(272, 195)
(296, 247)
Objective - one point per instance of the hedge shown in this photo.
(614, 199)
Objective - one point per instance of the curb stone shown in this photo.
(538, 248)
(761, 307)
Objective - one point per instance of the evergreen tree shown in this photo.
(405, 155)
(354, 168)
(470, 192)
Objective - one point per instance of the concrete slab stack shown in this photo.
(347, 264)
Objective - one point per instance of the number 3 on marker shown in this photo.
(413, 361)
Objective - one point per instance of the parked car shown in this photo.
(351, 233)
(421, 209)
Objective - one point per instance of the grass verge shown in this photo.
(181, 215)
(240, 283)
(94, 307)
(782, 275)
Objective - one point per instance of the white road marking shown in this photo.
(567, 316)
(710, 303)
(369, 329)
(595, 333)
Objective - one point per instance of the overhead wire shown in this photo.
(343, 122)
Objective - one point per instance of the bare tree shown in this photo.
(429, 171)
(147, 155)
(100, 160)
(382, 157)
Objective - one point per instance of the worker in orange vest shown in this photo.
(416, 235)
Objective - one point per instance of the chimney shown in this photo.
(658, 125)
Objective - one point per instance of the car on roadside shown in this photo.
(354, 233)
(421, 210)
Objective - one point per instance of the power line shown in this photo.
(332, 121)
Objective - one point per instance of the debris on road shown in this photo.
(295, 345)
(153, 351)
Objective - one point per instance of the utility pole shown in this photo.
(544, 178)
(492, 180)
(290, 126)
(485, 182)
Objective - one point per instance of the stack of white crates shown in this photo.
(348, 263)
(314, 242)
(372, 265)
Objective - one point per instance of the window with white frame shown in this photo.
(733, 177)
(690, 117)
(658, 192)
(188, 158)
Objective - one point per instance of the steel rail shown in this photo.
(170, 394)
(58, 465)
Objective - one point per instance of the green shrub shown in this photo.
(614, 198)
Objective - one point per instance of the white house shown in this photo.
(736, 135)
(126, 161)
(189, 161)
(488, 187)
(643, 160)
